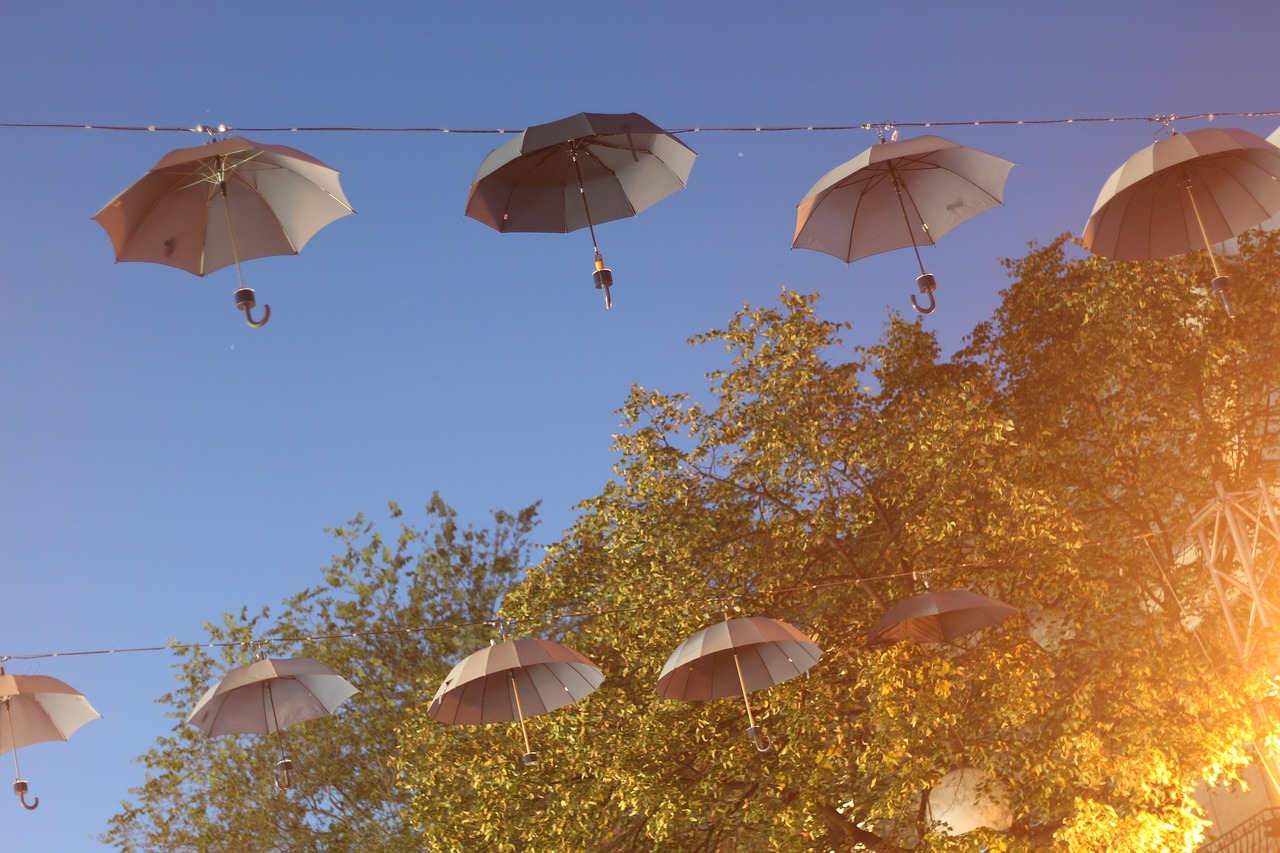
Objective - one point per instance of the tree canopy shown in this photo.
(1054, 464)
(388, 613)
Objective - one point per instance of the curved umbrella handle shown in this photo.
(1221, 287)
(756, 733)
(258, 324)
(20, 788)
(246, 303)
(927, 286)
(284, 768)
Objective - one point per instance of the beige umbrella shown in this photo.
(269, 695)
(514, 680)
(576, 173)
(204, 208)
(1184, 193)
(736, 657)
(899, 194)
(36, 709)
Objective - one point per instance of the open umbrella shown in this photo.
(36, 709)
(938, 617)
(899, 194)
(1184, 193)
(736, 657)
(514, 680)
(268, 695)
(578, 172)
(204, 208)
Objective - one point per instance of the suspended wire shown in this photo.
(1165, 119)
(547, 618)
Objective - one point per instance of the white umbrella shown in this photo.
(269, 695)
(204, 208)
(36, 709)
(899, 194)
(1184, 193)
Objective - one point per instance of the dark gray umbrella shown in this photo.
(938, 617)
(577, 173)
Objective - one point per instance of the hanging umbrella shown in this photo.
(514, 680)
(36, 709)
(204, 208)
(736, 657)
(269, 695)
(1184, 193)
(899, 194)
(938, 617)
(577, 173)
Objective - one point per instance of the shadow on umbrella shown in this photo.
(938, 617)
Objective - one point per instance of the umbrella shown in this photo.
(899, 194)
(36, 709)
(737, 657)
(579, 172)
(204, 208)
(269, 695)
(514, 680)
(1184, 193)
(938, 617)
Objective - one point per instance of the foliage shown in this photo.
(365, 619)
(1054, 463)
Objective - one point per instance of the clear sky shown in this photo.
(161, 462)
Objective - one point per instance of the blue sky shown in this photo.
(161, 462)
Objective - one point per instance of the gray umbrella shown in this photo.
(938, 617)
(1184, 193)
(577, 173)
(736, 657)
(511, 681)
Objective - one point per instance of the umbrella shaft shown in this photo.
(519, 712)
(1204, 235)
(751, 721)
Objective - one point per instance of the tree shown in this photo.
(1053, 464)
(387, 614)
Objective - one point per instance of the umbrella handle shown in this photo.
(755, 733)
(927, 286)
(20, 788)
(246, 303)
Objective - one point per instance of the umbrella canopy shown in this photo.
(36, 709)
(514, 680)
(938, 617)
(1184, 193)
(269, 695)
(899, 194)
(204, 208)
(576, 173)
(736, 657)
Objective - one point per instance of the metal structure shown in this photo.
(1239, 538)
